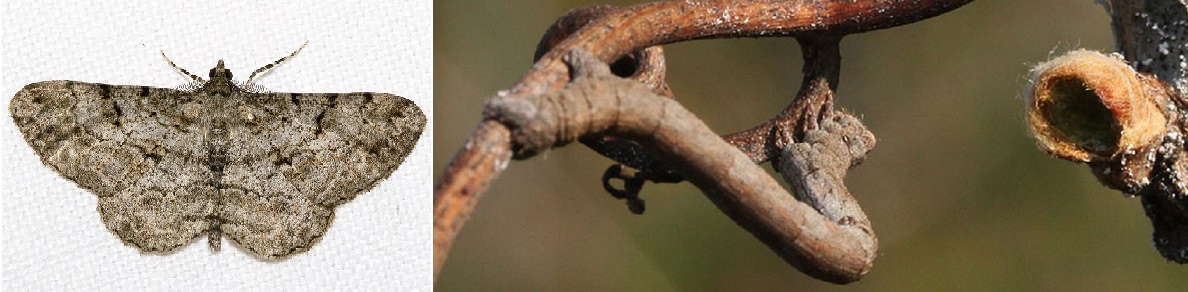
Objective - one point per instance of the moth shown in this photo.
(218, 157)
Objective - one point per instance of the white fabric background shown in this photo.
(53, 238)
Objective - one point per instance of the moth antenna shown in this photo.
(183, 71)
(270, 66)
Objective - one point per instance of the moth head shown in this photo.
(219, 70)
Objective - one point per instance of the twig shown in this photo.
(1151, 34)
(1128, 124)
(597, 102)
(565, 97)
(480, 161)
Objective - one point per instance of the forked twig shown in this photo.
(572, 94)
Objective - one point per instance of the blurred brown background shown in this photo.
(958, 193)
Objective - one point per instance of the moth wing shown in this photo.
(297, 156)
(133, 146)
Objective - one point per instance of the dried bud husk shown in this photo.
(1086, 106)
(1128, 127)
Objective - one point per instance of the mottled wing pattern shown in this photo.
(144, 152)
(131, 147)
(297, 156)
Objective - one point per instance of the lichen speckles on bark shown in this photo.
(1153, 35)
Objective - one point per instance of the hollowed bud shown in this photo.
(1086, 106)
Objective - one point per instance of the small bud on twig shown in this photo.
(1127, 126)
(1086, 106)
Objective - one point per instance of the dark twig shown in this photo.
(1153, 35)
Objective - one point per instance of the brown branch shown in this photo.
(634, 27)
(480, 161)
(833, 250)
(644, 25)
(644, 65)
(552, 105)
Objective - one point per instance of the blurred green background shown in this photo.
(959, 195)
